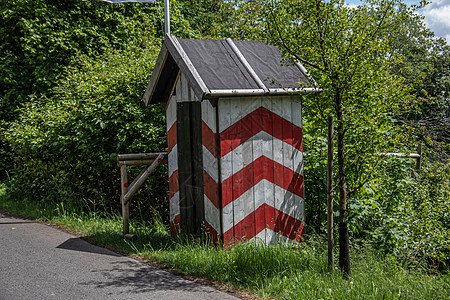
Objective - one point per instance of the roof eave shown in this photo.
(186, 66)
(157, 70)
(171, 47)
(258, 92)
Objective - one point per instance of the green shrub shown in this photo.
(406, 212)
(65, 145)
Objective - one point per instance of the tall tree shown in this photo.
(347, 51)
(425, 65)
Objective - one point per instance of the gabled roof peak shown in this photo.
(219, 68)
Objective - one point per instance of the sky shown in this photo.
(437, 15)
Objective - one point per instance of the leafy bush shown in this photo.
(65, 146)
(40, 38)
(406, 212)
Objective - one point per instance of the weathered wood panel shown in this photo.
(260, 167)
(190, 158)
(226, 170)
(197, 166)
(174, 199)
(210, 171)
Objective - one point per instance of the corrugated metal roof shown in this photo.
(218, 68)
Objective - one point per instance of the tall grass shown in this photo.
(281, 271)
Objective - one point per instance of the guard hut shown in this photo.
(234, 134)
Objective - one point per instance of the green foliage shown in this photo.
(345, 50)
(365, 60)
(65, 145)
(425, 65)
(39, 38)
(405, 212)
(209, 18)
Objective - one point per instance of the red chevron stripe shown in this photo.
(211, 233)
(259, 120)
(292, 228)
(173, 184)
(228, 237)
(262, 168)
(209, 139)
(175, 225)
(171, 137)
(211, 189)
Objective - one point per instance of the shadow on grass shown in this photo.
(141, 242)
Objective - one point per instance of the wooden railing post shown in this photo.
(419, 159)
(152, 160)
(125, 205)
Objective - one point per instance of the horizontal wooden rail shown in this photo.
(136, 184)
(139, 162)
(152, 160)
(138, 156)
(411, 155)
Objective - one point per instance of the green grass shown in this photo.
(282, 272)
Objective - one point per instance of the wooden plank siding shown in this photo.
(172, 150)
(210, 172)
(190, 158)
(236, 168)
(261, 165)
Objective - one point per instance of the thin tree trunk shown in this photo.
(319, 208)
(330, 196)
(344, 254)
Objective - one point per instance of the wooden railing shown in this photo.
(150, 161)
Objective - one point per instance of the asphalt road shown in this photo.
(41, 262)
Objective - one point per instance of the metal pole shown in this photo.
(166, 17)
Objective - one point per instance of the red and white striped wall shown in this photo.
(174, 194)
(252, 161)
(261, 168)
(210, 171)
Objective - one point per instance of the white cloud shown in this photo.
(437, 18)
(351, 5)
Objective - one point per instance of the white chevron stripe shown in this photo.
(289, 203)
(174, 204)
(263, 136)
(212, 214)
(209, 116)
(171, 112)
(273, 103)
(173, 160)
(210, 164)
(297, 112)
(240, 208)
(270, 237)
(231, 110)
